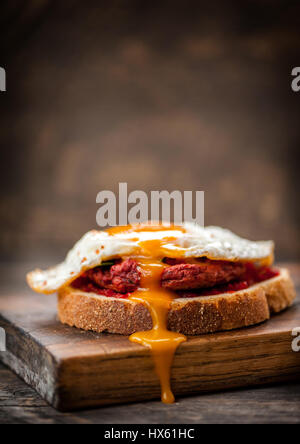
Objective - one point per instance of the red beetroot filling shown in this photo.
(84, 284)
(202, 273)
(187, 280)
(252, 275)
(118, 280)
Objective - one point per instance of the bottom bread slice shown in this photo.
(190, 316)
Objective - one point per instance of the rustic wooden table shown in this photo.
(268, 404)
(276, 404)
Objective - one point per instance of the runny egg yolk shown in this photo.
(162, 342)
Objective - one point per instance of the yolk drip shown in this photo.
(160, 340)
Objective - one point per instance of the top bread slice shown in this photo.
(190, 316)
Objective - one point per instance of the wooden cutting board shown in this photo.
(74, 369)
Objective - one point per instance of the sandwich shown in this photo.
(158, 282)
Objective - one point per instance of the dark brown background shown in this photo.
(188, 95)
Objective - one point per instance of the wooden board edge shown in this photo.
(30, 357)
(287, 368)
(29, 370)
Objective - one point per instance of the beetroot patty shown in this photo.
(122, 277)
(206, 274)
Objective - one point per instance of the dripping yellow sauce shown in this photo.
(162, 342)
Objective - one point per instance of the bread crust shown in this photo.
(190, 316)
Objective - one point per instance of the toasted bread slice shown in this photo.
(190, 316)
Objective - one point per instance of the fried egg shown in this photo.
(186, 241)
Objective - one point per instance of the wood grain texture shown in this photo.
(275, 404)
(73, 369)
